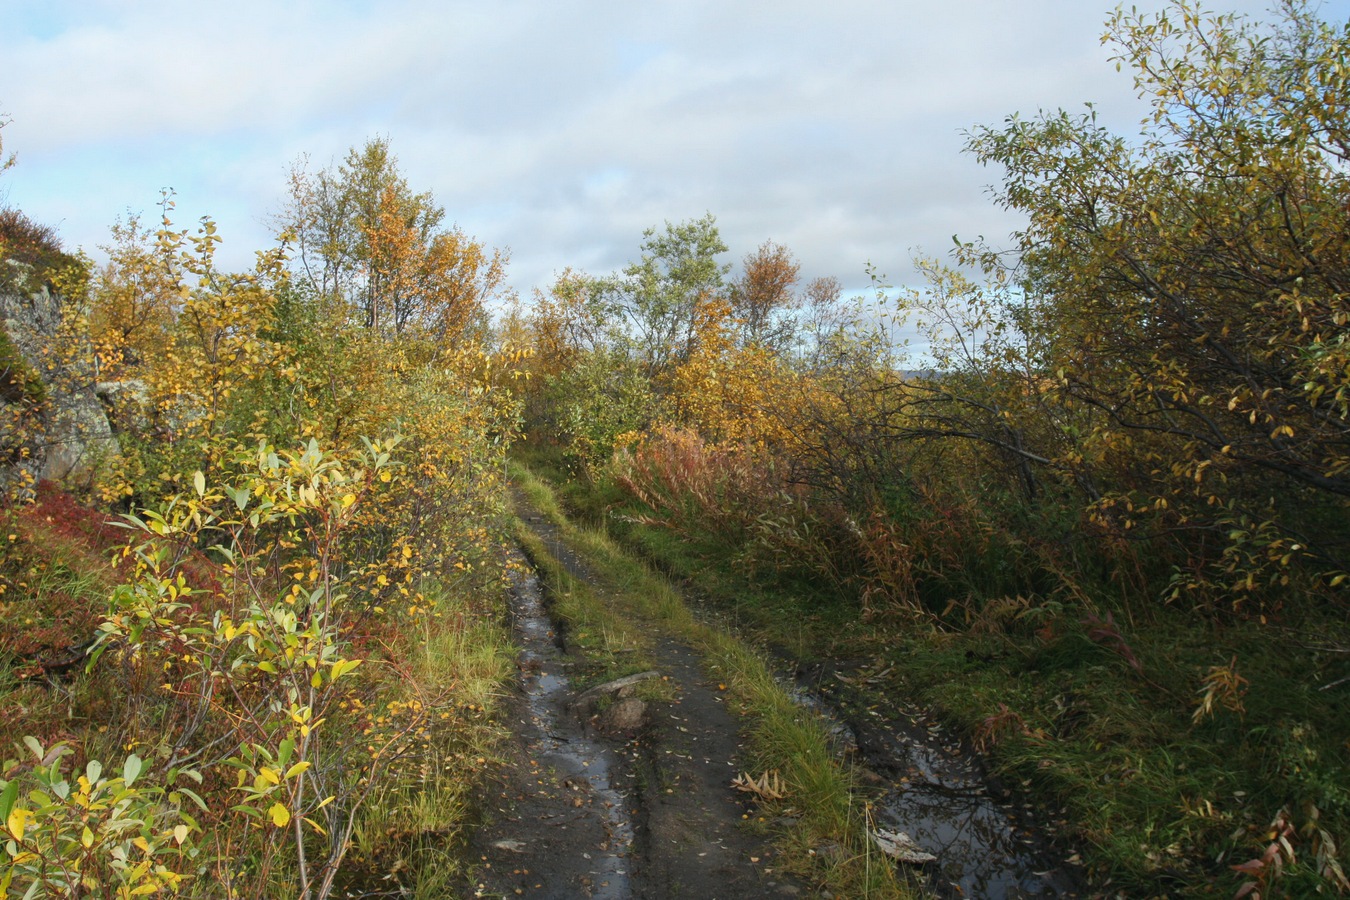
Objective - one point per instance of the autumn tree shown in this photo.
(178, 342)
(762, 294)
(137, 298)
(1190, 284)
(362, 234)
(331, 213)
(731, 392)
(568, 320)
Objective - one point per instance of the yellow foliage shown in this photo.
(731, 394)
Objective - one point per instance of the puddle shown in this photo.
(938, 796)
(557, 739)
(984, 848)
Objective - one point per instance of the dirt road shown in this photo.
(634, 800)
(622, 791)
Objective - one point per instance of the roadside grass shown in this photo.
(56, 576)
(1095, 725)
(822, 796)
(805, 616)
(408, 831)
(606, 647)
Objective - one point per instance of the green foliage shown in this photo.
(256, 677)
(268, 653)
(1184, 289)
(1108, 519)
(256, 632)
(600, 403)
(102, 835)
(315, 548)
(658, 296)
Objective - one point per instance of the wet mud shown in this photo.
(560, 825)
(931, 787)
(581, 812)
(652, 814)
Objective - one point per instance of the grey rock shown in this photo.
(619, 687)
(74, 440)
(901, 847)
(624, 717)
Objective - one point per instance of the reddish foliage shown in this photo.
(57, 542)
(90, 528)
(1105, 632)
(694, 486)
(48, 546)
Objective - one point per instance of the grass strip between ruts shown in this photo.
(785, 738)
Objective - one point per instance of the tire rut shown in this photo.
(579, 812)
(558, 822)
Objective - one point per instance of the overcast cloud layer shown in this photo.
(558, 130)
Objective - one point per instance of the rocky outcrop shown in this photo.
(52, 424)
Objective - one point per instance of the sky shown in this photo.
(558, 131)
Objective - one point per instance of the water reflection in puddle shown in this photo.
(939, 799)
(558, 741)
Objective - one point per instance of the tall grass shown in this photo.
(462, 658)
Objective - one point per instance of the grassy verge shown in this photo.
(606, 644)
(409, 831)
(1160, 799)
(784, 738)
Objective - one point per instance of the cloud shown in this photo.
(559, 130)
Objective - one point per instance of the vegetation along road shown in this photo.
(356, 575)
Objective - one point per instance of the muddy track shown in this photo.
(599, 806)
